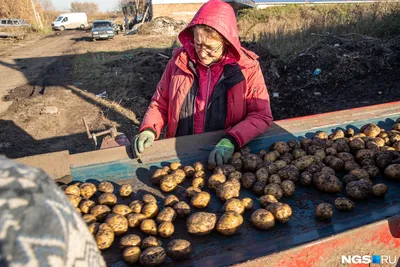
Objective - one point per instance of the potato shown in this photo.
(149, 226)
(396, 126)
(189, 171)
(136, 206)
(274, 179)
(293, 144)
(235, 205)
(379, 190)
(280, 164)
(312, 149)
(345, 204)
(372, 146)
(371, 130)
(225, 169)
(130, 241)
(108, 199)
(121, 209)
(358, 189)
(89, 218)
(86, 205)
(215, 180)
(179, 249)
(336, 164)
(105, 236)
(263, 219)
(321, 135)
(131, 255)
(229, 223)
(349, 132)
(235, 175)
(73, 190)
(106, 187)
(201, 223)
(327, 182)
(357, 144)
(168, 183)
(372, 170)
(281, 147)
(383, 159)
(153, 256)
(247, 203)
(182, 209)
(345, 156)
(337, 135)
(148, 198)
(330, 151)
(282, 212)
(379, 141)
(304, 162)
(387, 148)
(93, 228)
(150, 210)
(125, 190)
(199, 174)
(158, 175)
(273, 189)
(287, 157)
(271, 156)
(166, 215)
(324, 211)
(328, 170)
(74, 199)
(236, 155)
(179, 176)
(198, 166)
(78, 210)
(100, 212)
(393, 171)
(267, 199)
(192, 191)
(305, 143)
(364, 154)
(305, 178)
(262, 175)
(341, 146)
(250, 162)
(349, 178)
(271, 167)
(248, 180)
(237, 163)
(166, 229)
(118, 223)
(167, 169)
(200, 200)
(258, 188)
(87, 190)
(289, 172)
(135, 219)
(228, 190)
(298, 153)
(314, 168)
(175, 165)
(170, 201)
(360, 173)
(288, 187)
(351, 165)
(198, 182)
(151, 241)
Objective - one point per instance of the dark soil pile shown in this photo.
(162, 26)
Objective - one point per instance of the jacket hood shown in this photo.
(220, 16)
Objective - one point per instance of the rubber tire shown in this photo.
(93, 39)
(82, 27)
(62, 28)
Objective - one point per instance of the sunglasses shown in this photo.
(209, 52)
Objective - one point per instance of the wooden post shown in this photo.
(37, 16)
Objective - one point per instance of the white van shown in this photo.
(70, 21)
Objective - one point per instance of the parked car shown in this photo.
(70, 21)
(102, 29)
(13, 22)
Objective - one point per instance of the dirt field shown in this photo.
(48, 85)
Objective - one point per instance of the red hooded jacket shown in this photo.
(248, 112)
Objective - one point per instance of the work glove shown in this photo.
(143, 140)
(222, 152)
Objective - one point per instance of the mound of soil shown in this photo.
(162, 26)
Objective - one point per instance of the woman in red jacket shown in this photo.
(211, 83)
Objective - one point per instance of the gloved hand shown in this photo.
(222, 152)
(143, 140)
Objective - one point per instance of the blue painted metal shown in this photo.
(217, 250)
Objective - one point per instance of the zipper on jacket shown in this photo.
(232, 74)
(208, 90)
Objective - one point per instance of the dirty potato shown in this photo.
(274, 179)
(273, 189)
(73, 190)
(74, 199)
(86, 205)
(93, 228)
(168, 183)
(287, 157)
(271, 156)
(179, 249)
(371, 130)
(153, 256)
(147, 198)
(201, 223)
(108, 199)
(262, 175)
(248, 180)
(89, 218)
(106, 187)
(166, 215)
(151, 241)
(87, 190)
(289, 172)
(351, 165)
(360, 173)
(288, 187)
(150, 210)
(149, 226)
(158, 175)
(267, 199)
(104, 237)
(200, 200)
(166, 229)
(358, 189)
(327, 182)
(250, 162)
(225, 169)
(175, 165)
(235, 175)
(263, 219)
(198, 166)
(182, 209)
(298, 153)
(228, 190)
(199, 174)
(136, 206)
(198, 182)
(215, 180)
(131, 255)
(324, 211)
(235, 205)
(100, 212)
(281, 147)
(305, 178)
(135, 219)
(330, 151)
(125, 190)
(170, 201)
(349, 178)
(379, 190)
(247, 203)
(121, 209)
(189, 171)
(282, 212)
(280, 164)
(372, 170)
(258, 188)
(179, 176)
(393, 171)
(118, 223)
(304, 162)
(364, 154)
(237, 163)
(345, 204)
(130, 241)
(229, 223)
(383, 160)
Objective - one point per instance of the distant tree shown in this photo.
(47, 5)
(87, 7)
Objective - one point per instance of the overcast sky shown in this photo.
(104, 5)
